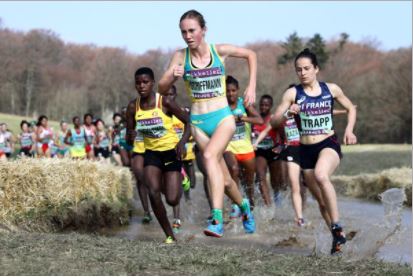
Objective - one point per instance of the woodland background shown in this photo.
(41, 74)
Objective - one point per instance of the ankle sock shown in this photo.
(245, 207)
(217, 215)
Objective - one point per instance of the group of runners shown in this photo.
(233, 140)
(222, 131)
(91, 139)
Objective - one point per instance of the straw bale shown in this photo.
(369, 186)
(50, 194)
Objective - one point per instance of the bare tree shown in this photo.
(41, 74)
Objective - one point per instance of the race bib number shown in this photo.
(316, 124)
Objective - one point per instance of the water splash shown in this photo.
(392, 200)
(371, 239)
(378, 228)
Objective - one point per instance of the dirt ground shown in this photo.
(76, 254)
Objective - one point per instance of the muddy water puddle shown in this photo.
(370, 231)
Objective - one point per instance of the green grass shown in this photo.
(75, 254)
(376, 147)
(373, 158)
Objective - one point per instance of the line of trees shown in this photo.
(41, 74)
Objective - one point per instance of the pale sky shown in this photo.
(142, 25)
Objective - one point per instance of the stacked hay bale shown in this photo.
(369, 186)
(53, 194)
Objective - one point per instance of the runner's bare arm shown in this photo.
(173, 73)
(96, 141)
(67, 137)
(172, 108)
(253, 116)
(339, 111)
(34, 140)
(130, 122)
(338, 94)
(261, 136)
(227, 50)
(287, 100)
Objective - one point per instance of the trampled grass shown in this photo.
(75, 254)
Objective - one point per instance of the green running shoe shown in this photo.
(169, 240)
(186, 183)
(147, 218)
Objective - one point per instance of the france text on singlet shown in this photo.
(315, 112)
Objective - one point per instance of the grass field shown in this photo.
(75, 254)
(375, 148)
(373, 158)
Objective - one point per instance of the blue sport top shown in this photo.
(204, 84)
(316, 112)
